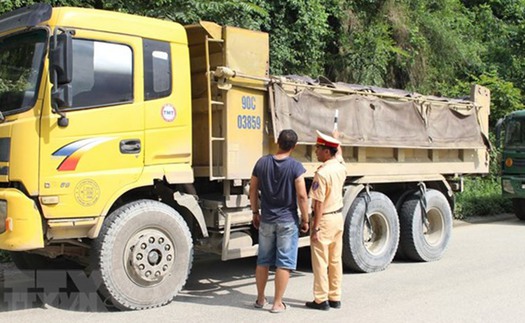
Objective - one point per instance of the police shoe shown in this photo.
(323, 306)
(334, 304)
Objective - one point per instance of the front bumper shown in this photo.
(21, 222)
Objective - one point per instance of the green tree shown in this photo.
(505, 97)
(299, 32)
(410, 44)
(429, 46)
(501, 26)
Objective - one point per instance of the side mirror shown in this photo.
(61, 72)
(61, 58)
(61, 68)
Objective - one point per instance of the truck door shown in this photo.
(167, 109)
(100, 153)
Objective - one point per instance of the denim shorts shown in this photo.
(278, 245)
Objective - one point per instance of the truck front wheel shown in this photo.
(424, 237)
(371, 233)
(144, 254)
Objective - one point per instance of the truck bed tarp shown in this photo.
(376, 121)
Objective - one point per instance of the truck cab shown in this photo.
(88, 124)
(510, 131)
(95, 113)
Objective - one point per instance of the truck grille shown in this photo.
(518, 162)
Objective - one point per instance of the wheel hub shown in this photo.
(151, 256)
(375, 233)
(434, 231)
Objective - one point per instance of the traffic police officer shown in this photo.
(326, 237)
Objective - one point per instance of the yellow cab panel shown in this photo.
(100, 150)
(123, 115)
(22, 66)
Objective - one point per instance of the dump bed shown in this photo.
(229, 126)
(385, 133)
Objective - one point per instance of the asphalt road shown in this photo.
(480, 279)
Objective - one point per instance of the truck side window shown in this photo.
(21, 62)
(157, 69)
(515, 133)
(102, 73)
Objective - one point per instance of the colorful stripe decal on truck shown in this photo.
(75, 150)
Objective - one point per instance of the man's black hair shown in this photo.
(287, 139)
(333, 151)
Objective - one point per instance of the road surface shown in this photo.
(480, 279)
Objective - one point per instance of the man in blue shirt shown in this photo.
(280, 180)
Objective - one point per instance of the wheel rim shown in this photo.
(376, 234)
(433, 227)
(149, 257)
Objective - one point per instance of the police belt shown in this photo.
(333, 212)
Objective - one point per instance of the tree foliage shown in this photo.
(430, 46)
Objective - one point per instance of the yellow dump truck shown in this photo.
(127, 142)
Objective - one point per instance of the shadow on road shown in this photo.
(214, 282)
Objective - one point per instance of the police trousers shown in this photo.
(326, 258)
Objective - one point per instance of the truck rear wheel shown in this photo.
(371, 233)
(519, 208)
(425, 239)
(144, 254)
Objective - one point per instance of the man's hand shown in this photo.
(256, 220)
(305, 226)
(314, 236)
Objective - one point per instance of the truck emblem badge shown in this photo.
(87, 192)
(75, 150)
(168, 112)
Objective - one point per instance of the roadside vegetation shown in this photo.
(481, 197)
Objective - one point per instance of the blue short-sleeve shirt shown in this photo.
(276, 179)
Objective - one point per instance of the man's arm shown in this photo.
(302, 200)
(254, 201)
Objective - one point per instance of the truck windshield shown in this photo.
(515, 134)
(21, 61)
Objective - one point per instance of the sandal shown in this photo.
(279, 310)
(257, 305)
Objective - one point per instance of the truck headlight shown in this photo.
(3, 215)
(507, 186)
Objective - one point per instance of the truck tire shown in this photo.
(420, 242)
(370, 248)
(144, 254)
(519, 208)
